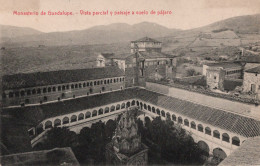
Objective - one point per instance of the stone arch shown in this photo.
(94, 113)
(49, 89)
(158, 111)
(219, 154)
(168, 116)
(63, 87)
(118, 107)
(112, 108)
(87, 115)
(57, 122)
(193, 125)
(216, 134)
(107, 110)
(100, 111)
(122, 105)
(22, 92)
(174, 117)
(180, 120)
(149, 108)
(145, 106)
(236, 141)
(128, 104)
(200, 128)
(65, 120)
(225, 137)
(133, 102)
(81, 116)
(39, 129)
(48, 124)
(153, 109)
(207, 131)
(163, 113)
(204, 147)
(73, 118)
(141, 105)
(186, 122)
(137, 103)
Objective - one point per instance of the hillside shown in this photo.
(9, 32)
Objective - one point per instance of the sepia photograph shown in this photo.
(129, 82)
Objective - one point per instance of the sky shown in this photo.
(185, 14)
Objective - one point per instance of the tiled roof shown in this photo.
(146, 39)
(244, 126)
(154, 54)
(247, 154)
(228, 121)
(58, 77)
(254, 70)
(224, 65)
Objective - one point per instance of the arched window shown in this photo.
(149, 108)
(163, 113)
(87, 83)
(122, 105)
(65, 120)
(95, 83)
(57, 122)
(153, 109)
(180, 120)
(73, 118)
(94, 113)
(118, 107)
(158, 111)
(84, 84)
(235, 141)
(81, 116)
(208, 131)
(174, 117)
(48, 124)
(63, 87)
(133, 102)
(216, 134)
(168, 116)
(49, 89)
(76, 86)
(80, 85)
(111, 80)
(54, 89)
(193, 125)
(186, 122)
(105, 81)
(200, 128)
(16, 94)
(59, 88)
(87, 115)
(72, 86)
(22, 93)
(219, 154)
(137, 103)
(225, 137)
(112, 108)
(100, 111)
(145, 106)
(28, 92)
(128, 104)
(107, 110)
(44, 90)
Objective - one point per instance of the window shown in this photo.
(215, 77)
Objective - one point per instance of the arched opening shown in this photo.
(11, 94)
(186, 122)
(54, 89)
(81, 116)
(174, 117)
(137, 103)
(168, 116)
(48, 124)
(141, 105)
(163, 113)
(158, 111)
(39, 129)
(59, 88)
(44, 90)
(49, 89)
(112, 108)
(57, 122)
(22, 93)
(28, 92)
(193, 125)
(94, 113)
(180, 120)
(73, 118)
(80, 85)
(153, 109)
(208, 131)
(100, 111)
(87, 115)
(149, 108)
(235, 141)
(118, 107)
(145, 106)
(133, 102)
(225, 137)
(63, 87)
(204, 147)
(65, 120)
(122, 105)
(216, 134)
(218, 155)
(107, 110)
(200, 128)
(128, 104)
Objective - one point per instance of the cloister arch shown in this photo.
(39, 128)
(133, 102)
(141, 105)
(204, 147)
(87, 115)
(128, 104)
(100, 111)
(94, 113)
(106, 110)
(81, 116)
(174, 117)
(207, 131)
(57, 122)
(153, 109)
(225, 137)
(168, 116)
(48, 124)
(73, 118)
(137, 103)
(193, 125)
(122, 105)
(158, 111)
(180, 119)
(112, 108)
(65, 120)
(218, 153)
(200, 128)
(216, 134)
(236, 141)
(118, 107)
(186, 122)
(163, 113)
(149, 108)
(145, 106)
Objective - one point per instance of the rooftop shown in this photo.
(250, 59)
(254, 70)
(58, 77)
(224, 65)
(154, 54)
(147, 39)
